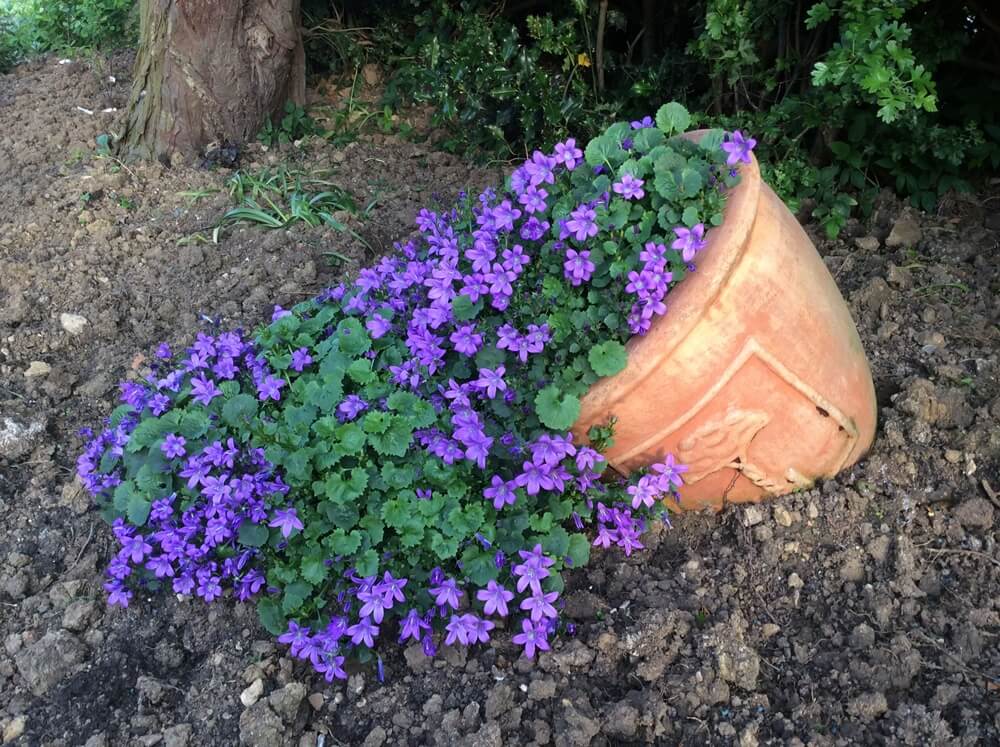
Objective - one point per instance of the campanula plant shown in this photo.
(391, 461)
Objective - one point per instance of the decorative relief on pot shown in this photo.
(733, 433)
(721, 442)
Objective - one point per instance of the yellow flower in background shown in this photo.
(583, 59)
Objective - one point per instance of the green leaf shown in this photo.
(600, 149)
(691, 182)
(137, 509)
(239, 410)
(367, 563)
(579, 550)
(295, 594)
(342, 543)
(354, 339)
(672, 118)
(608, 358)
(361, 371)
(314, 570)
(463, 309)
(253, 535)
(395, 440)
(271, 617)
(555, 409)
(690, 216)
(146, 432)
(712, 140)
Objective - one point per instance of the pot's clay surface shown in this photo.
(755, 377)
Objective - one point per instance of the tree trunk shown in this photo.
(211, 71)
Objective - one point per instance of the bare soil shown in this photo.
(865, 611)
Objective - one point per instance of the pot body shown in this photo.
(755, 377)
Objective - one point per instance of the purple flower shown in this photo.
(412, 626)
(670, 473)
(173, 446)
(446, 593)
(738, 148)
(629, 187)
(491, 381)
(287, 520)
(269, 388)
(204, 389)
(363, 632)
(378, 326)
(500, 492)
(466, 340)
(533, 637)
(495, 598)
(535, 478)
(568, 154)
(477, 629)
(457, 631)
(374, 604)
(163, 352)
(689, 241)
(582, 223)
(540, 606)
(279, 312)
(578, 268)
(301, 359)
(117, 593)
(504, 216)
(643, 123)
(533, 199)
(351, 407)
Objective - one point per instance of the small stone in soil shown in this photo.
(73, 323)
(37, 369)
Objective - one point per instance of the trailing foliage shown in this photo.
(393, 457)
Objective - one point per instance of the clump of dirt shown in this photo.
(865, 611)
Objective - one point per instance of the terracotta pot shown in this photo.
(755, 377)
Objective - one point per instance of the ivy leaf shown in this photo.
(253, 535)
(608, 358)
(555, 409)
(672, 118)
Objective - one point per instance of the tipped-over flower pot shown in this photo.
(755, 377)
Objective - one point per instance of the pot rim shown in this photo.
(688, 302)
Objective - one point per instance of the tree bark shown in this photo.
(211, 71)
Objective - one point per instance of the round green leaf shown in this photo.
(672, 118)
(555, 409)
(608, 358)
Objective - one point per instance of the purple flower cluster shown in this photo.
(234, 487)
(649, 285)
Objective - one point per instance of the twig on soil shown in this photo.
(990, 492)
(958, 662)
(767, 611)
(957, 551)
(83, 549)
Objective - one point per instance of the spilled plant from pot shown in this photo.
(391, 460)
